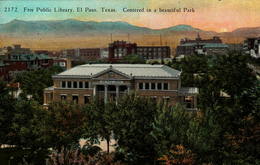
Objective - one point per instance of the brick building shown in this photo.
(82, 54)
(110, 82)
(154, 52)
(119, 49)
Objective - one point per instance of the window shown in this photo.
(153, 86)
(166, 99)
(80, 84)
(63, 97)
(154, 98)
(189, 101)
(147, 85)
(86, 85)
(69, 84)
(165, 86)
(141, 86)
(86, 99)
(159, 86)
(63, 84)
(75, 99)
(75, 84)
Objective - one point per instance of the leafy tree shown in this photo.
(169, 128)
(133, 59)
(63, 126)
(34, 82)
(99, 121)
(132, 127)
(7, 111)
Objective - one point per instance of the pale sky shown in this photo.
(216, 15)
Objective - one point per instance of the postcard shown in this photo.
(129, 82)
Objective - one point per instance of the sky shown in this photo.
(213, 15)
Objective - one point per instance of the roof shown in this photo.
(129, 70)
(215, 45)
(30, 57)
(207, 45)
(189, 90)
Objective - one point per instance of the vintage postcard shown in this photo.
(139, 82)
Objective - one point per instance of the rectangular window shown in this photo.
(69, 84)
(159, 86)
(141, 86)
(75, 84)
(86, 99)
(80, 84)
(153, 86)
(63, 84)
(147, 85)
(165, 86)
(63, 97)
(75, 99)
(166, 99)
(86, 85)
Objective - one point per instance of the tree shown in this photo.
(169, 128)
(99, 121)
(7, 111)
(63, 127)
(132, 127)
(133, 59)
(34, 82)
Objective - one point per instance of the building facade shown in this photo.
(82, 54)
(252, 47)
(110, 82)
(154, 52)
(201, 46)
(119, 49)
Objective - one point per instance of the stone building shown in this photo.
(110, 82)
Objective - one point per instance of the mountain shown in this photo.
(76, 27)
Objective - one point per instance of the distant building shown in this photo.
(17, 63)
(154, 52)
(215, 39)
(235, 47)
(82, 54)
(17, 49)
(252, 47)
(201, 46)
(64, 63)
(120, 49)
(111, 81)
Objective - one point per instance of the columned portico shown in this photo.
(110, 90)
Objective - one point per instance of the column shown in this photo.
(105, 98)
(128, 89)
(117, 92)
(94, 90)
(195, 101)
(45, 98)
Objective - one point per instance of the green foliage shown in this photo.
(63, 125)
(7, 111)
(133, 59)
(169, 127)
(34, 82)
(99, 121)
(132, 127)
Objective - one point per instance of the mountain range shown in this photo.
(99, 32)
